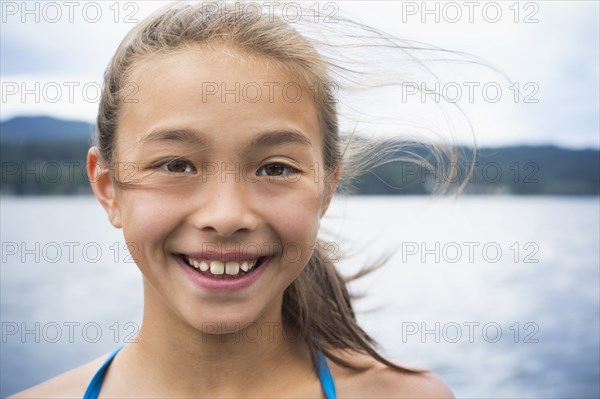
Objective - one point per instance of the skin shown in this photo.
(195, 332)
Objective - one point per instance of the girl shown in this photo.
(218, 154)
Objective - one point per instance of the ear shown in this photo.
(331, 182)
(102, 185)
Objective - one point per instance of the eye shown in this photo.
(276, 169)
(179, 166)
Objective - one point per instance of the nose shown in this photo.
(225, 208)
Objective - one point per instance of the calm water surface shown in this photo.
(498, 295)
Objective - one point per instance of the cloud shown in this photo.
(553, 59)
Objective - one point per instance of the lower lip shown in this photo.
(224, 284)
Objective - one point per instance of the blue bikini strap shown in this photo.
(325, 376)
(323, 371)
(95, 385)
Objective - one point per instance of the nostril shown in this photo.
(225, 214)
(226, 231)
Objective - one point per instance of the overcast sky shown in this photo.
(549, 48)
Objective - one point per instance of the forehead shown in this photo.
(222, 92)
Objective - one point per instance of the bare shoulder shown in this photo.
(389, 383)
(71, 384)
(384, 382)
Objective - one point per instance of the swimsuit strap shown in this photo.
(95, 385)
(325, 376)
(323, 372)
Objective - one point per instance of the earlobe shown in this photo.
(102, 185)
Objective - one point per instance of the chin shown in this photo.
(221, 322)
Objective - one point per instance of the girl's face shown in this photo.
(226, 166)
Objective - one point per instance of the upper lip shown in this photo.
(223, 256)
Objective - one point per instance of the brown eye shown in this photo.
(179, 166)
(276, 169)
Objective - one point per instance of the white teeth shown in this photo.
(244, 266)
(232, 268)
(204, 266)
(217, 267)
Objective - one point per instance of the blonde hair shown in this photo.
(317, 304)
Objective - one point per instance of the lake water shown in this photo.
(498, 295)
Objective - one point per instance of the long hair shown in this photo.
(317, 304)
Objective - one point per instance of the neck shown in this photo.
(235, 362)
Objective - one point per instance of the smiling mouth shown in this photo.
(223, 270)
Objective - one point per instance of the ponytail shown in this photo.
(318, 306)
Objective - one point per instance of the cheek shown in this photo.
(295, 219)
(147, 221)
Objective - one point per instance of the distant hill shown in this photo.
(541, 169)
(43, 155)
(44, 128)
(518, 170)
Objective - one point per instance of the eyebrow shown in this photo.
(279, 137)
(178, 135)
(269, 138)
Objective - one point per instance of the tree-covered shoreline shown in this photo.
(46, 156)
